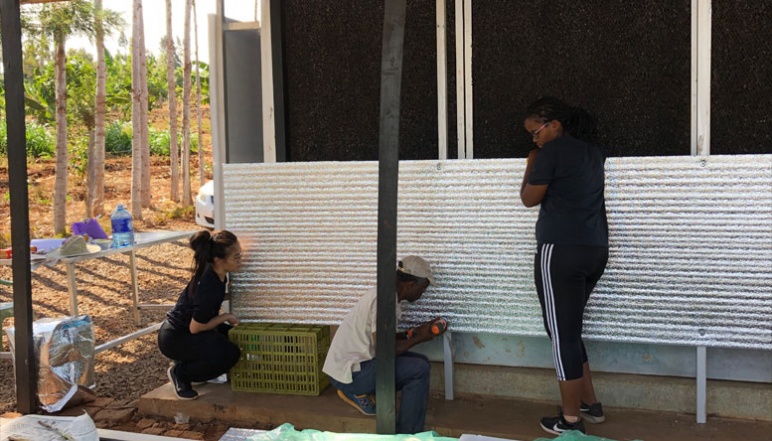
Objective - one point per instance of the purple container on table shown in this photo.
(90, 227)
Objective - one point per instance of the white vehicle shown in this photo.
(205, 205)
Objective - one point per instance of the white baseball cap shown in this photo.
(416, 266)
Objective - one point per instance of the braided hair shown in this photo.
(577, 122)
(206, 246)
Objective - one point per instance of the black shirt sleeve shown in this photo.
(543, 171)
(209, 296)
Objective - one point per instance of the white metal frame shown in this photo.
(702, 13)
(217, 112)
(266, 75)
(460, 81)
(468, 120)
(442, 82)
(464, 107)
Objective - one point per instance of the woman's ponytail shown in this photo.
(581, 125)
(577, 122)
(206, 246)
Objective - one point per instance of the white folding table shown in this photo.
(143, 240)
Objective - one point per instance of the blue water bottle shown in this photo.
(123, 227)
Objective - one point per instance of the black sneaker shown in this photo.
(557, 425)
(182, 389)
(592, 413)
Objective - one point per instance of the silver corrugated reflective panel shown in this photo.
(690, 245)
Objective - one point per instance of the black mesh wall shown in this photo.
(332, 54)
(626, 62)
(741, 77)
(629, 63)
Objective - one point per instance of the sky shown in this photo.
(154, 15)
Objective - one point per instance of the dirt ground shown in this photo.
(128, 371)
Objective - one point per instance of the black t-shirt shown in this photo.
(204, 306)
(573, 211)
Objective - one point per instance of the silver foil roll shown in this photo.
(64, 348)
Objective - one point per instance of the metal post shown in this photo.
(442, 82)
(277, 55)
(73, 287)
(121, 340)
(468, 103)
(388, 175)
(272, 77)
(221, 63)
(134, 287)
(702, 383)
(702, 15)
(266, 75)
(217, 110)
(460, 82)
(447, 351)
(25, 365)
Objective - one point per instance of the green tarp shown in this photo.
(287, 432)
(573, 435)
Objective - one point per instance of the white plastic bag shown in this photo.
(50, 428)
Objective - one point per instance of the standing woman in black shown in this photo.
(195, 333)
(565, 174)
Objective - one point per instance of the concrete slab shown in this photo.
(497, 417)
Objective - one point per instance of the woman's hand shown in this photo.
(531, 195)
(231, 319)
(226, 317)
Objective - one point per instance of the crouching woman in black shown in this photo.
(195, 333)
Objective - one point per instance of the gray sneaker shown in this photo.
(592, 413)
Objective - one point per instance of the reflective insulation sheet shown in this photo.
(690, 246)
(64, 351)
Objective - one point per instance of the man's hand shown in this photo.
(438, 326)
(421, 333)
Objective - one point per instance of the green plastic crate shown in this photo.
(280, 358)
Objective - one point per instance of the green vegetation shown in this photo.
(42, 145)
(40, 141)
(40, 102)
(161, 139)
(118, 136)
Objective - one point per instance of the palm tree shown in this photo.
(105, 22)
(186, 196)
(172, 85)
(201, 174)
(137, 64)
(143, 114)
(95, 202)
(61, 20)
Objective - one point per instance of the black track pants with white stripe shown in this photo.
(565, 276)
